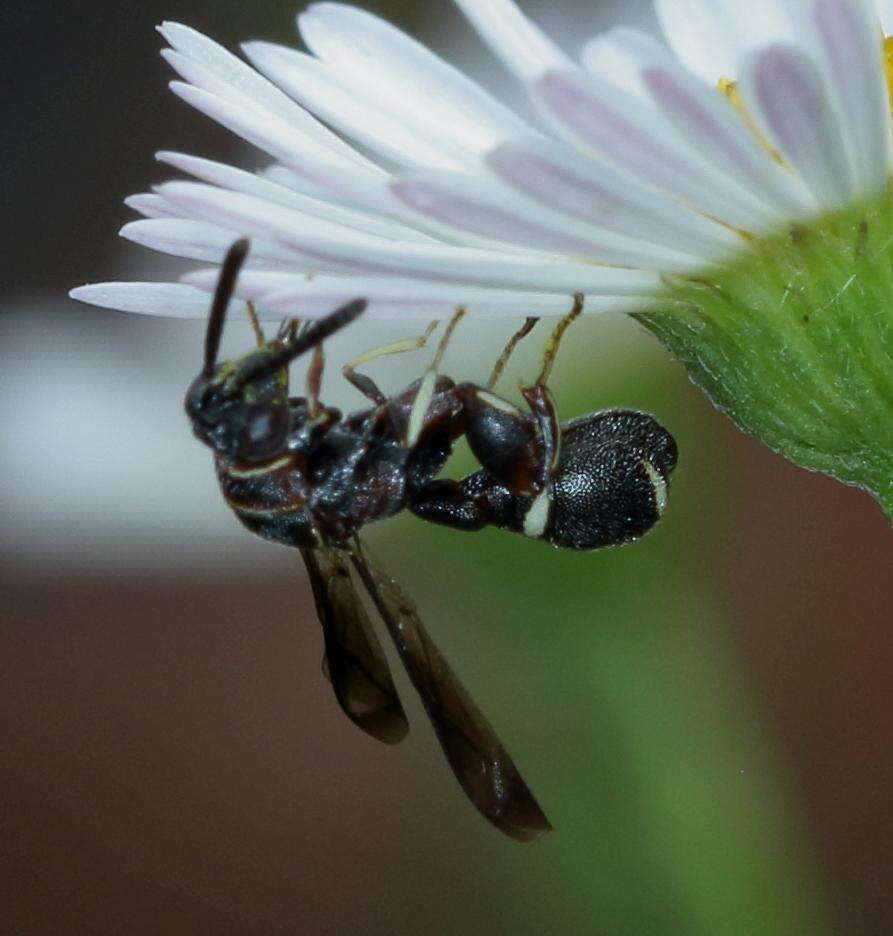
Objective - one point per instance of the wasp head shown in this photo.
(240, 408)
(242, 420)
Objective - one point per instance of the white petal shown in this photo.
(885, 12)
(391, 67)
(151, 205)
(486, 208)
(240, 181)
(400, 298)
(352, 183)
(847, 32)
(609, 60)
(246, 84)
(198, 240)
(251, 283)
(523, 47)
(284, 176)
(709, 123)
(350, 110)
(635, 140)
(590, 188)
(364, 253)
(174, 300)
(710, 37)
(788, 98)
(701, 34)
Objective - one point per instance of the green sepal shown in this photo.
(794, 341)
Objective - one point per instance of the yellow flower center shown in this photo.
(888, 63)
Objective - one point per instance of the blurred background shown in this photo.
(706, 715)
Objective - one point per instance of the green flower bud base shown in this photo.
(794, 340)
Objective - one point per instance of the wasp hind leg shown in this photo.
(365, 384)
(509, 349)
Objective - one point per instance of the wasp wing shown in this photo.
(354, 660)
(480, 762)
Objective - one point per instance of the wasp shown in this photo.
(299, 473)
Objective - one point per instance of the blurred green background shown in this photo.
(705, 715)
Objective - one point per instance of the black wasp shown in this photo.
(296, 472)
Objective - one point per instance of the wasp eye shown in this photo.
(264, 432)
(260, 427)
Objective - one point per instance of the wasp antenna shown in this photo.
(317, 332)
(312, 335)
(229, 272)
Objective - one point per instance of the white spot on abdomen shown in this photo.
(659, 485)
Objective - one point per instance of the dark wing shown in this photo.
(355, 663)
(479, 761)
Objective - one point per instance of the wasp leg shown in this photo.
(259, 335)
(314, 381)
(503, 438)
(447, 503)
(507, 352)
(552, 345)
(520, 452)
(366, 385)
(540, 399)
(428, 383)
(319, 417)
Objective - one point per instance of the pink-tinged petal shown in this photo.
(483, 207)
(523, 47)
(238, 180)
(789, 99)
(636, 141)
(373, 56)
(392, 297)
(364, 253)
(150, 205)
(711, 124)
(360, 116)
(848, 34)
(708, 123)
(173, 300)
(585, 187)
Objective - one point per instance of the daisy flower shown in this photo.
(729, 186)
